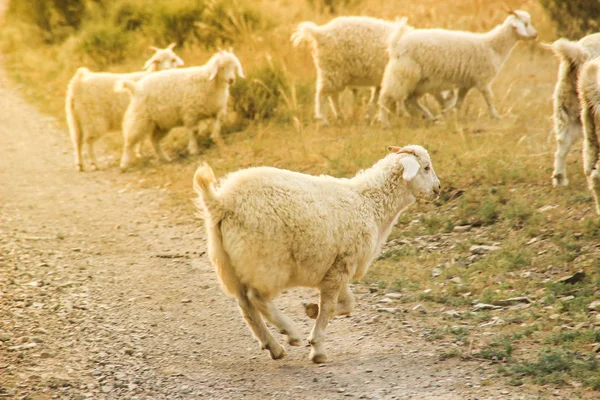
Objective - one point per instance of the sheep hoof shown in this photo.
(559, 180)
(294, 341)
(311, 310)
(79, 167)
(93, 167)
(276, 351)
(317, 358)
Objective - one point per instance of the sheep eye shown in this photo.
(427, 168)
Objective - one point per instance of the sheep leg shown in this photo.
(462, 93)
(281, 321)
(157, 135)
(78, 160)
(134, 131)
(344, 306)
(385, 105)
(193, 130)
(414, 102)
(138, 149)
(215, 134)
(371, 109)
(334, 103)
(259, 329)
(89, 143)
(564, 140)
(487, 95)
(329, 292)
(594, 184)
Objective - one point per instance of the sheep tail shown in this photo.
(400, 28)
(125, 86)
(204, 180)
(305, 32)
(571, 51)
(72, 121)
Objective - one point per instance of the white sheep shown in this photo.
(347, 52)
(92, 107)
(432, 60)
(589, 94)
(178, 97)
(271, 229)
(567, 109)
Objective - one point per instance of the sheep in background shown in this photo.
(347, 52)
(270, 229)
(93, 108)
(181, 97)
(433, 60)
(567, 109)
(589, 94)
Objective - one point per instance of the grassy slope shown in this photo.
(503, 167)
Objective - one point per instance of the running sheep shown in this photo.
(92, 107)
(589, 94)
(270, 229)
(433, 60)
(181, 97)
(348, 52)
(567, 108)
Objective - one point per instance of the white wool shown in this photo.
(92, 107)
(567, 110)
(347, 52)
(182, 97)
(271, 229)
(589, 94)
(433, 60)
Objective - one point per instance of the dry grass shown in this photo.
(503, 167)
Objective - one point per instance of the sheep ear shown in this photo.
(240, 72)
(153, 48)
(411, 168)
(170, 47)
(213, 71)
(150, 62)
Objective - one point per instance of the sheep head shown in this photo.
(418, 171)
(225, 65)
(521, 23)
(163, 59)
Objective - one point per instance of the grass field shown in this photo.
(495, 176)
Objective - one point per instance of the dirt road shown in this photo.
(106, 293)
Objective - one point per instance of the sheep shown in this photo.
(567, 110)
(589, 94)
(92, 108)
(347, 52)
(271, 229)
(185, 96)
(431, 60)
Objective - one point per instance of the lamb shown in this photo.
(347, 52)
(92, 107)
(185, 96)
(270, 229)
(589, 94)
(567, 109)
(432, 60)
